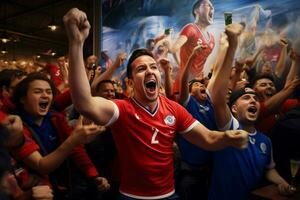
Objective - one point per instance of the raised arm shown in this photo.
(181, 40)
(279, 68)
(107, 75)
(167, 67)
(97, 109)
(220, 78)
(294, 70)
(184, 91)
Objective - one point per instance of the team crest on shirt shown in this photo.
(263, 148)
(170, 120)
(199, 42)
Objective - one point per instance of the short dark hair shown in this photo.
(22, 87)
(7, 76)
(261, 76)
(103, 82)
(195, 6)
(191, 83)
(237, 94)
(135, 54)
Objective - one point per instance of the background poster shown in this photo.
(127, 24)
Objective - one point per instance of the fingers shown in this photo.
(238, 138)
(102, 184)
(42, 192)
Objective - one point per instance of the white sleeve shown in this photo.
(115, 116)
(232, 124)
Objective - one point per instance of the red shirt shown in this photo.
(267, 120)
(145, 145)
(54, 73)
(195, 37)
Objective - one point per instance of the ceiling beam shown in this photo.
(29, 11)
(38, 38)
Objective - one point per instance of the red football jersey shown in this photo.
(144, 141)
(195, 37)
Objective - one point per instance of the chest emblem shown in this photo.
(263, 148)
(170, 120)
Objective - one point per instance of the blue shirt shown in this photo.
(204, 113)
(45, 131)
(236, 172)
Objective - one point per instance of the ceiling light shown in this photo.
(4, 37)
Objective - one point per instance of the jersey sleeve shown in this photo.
(115, 117)
(27, 148)
(185, 122)
(187, 31)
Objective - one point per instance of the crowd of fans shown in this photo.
(73, 129)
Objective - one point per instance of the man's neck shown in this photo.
(249, 128)
(149, 105)
(202, 26)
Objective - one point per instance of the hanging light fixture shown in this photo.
(4, 50)
(4, 36)
(52, 25)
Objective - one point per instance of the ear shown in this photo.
(130, 82)
(234, 109)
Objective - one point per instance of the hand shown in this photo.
(86, 133)
(165, 65)
(292, 85)
(237, 138)
(42, 192)
(233, 31)
(77, 26)
(102, 183)
(198, 49)
(15, 127)
(121, 58)
(241, 84)
(285, 189)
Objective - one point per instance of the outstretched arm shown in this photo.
(215, 140)
(97, 109)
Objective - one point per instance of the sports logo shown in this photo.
(263, 148)
(170, 120)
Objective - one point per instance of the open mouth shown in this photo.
(269, 93)
(252, 110)
(202, 91)
(150, 85)
(44, 104)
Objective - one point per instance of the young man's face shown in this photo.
(198, 91)
(246, 108)
(107, 91)
(38, 99)
(265, 88)
(205, 12)
(145, 79)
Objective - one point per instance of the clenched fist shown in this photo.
(237, 138)
(77, 26)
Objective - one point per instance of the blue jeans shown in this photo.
(172, 197)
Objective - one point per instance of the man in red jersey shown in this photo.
(144, 125)
(192, 35)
